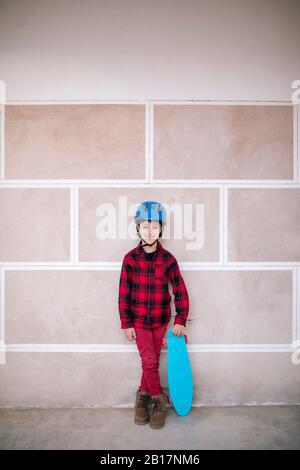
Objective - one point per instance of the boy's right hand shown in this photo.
(130, 334)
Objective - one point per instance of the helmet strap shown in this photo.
(145, 243)
(148, 244)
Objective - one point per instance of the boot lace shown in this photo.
(143, 399)
(158, 404)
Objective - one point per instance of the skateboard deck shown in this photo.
(180, 378)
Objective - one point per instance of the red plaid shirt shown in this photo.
(144, 298)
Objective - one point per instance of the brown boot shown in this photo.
(143, 399)
(158, 417)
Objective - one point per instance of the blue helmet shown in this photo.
(150, 210)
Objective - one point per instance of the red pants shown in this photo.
(149, 344)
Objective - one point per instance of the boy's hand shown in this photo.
(178, 330)
(130, 334)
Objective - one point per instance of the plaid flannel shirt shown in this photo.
(144, 298)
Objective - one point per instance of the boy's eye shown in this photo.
(153, 227)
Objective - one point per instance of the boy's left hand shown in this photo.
(178, 330)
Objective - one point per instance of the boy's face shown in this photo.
(150, 230)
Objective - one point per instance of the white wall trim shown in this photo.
(298, 144)
(72, 224)
(256, 264)
(225, 225)
(190, 183)
(2, 141)
(295, 144)
(121, 348)
(100, 183)
(149, 174)
(42, 102)
(76, 224)
(147, 144)
(222, 197)
(116, 266)
(153, 101)
(2, 306)
(151, 146)
(2, 320)
(170, 183)
(226, 102)
(294, 307)
(297, 294)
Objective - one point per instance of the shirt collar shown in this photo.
(141, 252)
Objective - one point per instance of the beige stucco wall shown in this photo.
(227, 171)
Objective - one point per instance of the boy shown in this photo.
(144, 306)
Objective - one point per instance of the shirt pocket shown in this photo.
(160, 272)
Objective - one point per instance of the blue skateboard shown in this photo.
(179, 374)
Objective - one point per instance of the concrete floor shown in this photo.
(264, 427)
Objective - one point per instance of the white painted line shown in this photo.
(298, 308)
(294, 307)
(2, 320)
(2, 353)
(151, 143)
(2, 143)
(298, 143)
(121, 348)
(2, 307)
(203, 184)
(37, 185)
(58, 102)
(2, 128)
(198, 183)
(263, 263)
(147, 144)
(205, 264)
(72, 226)
(226, 102)
(225, 216)
(188, 265)
(194, 266)
(295, 146)
(116, 265)
(22, 266)
(76, 224)
(221, 225)
(240, 348)
(100, 183)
